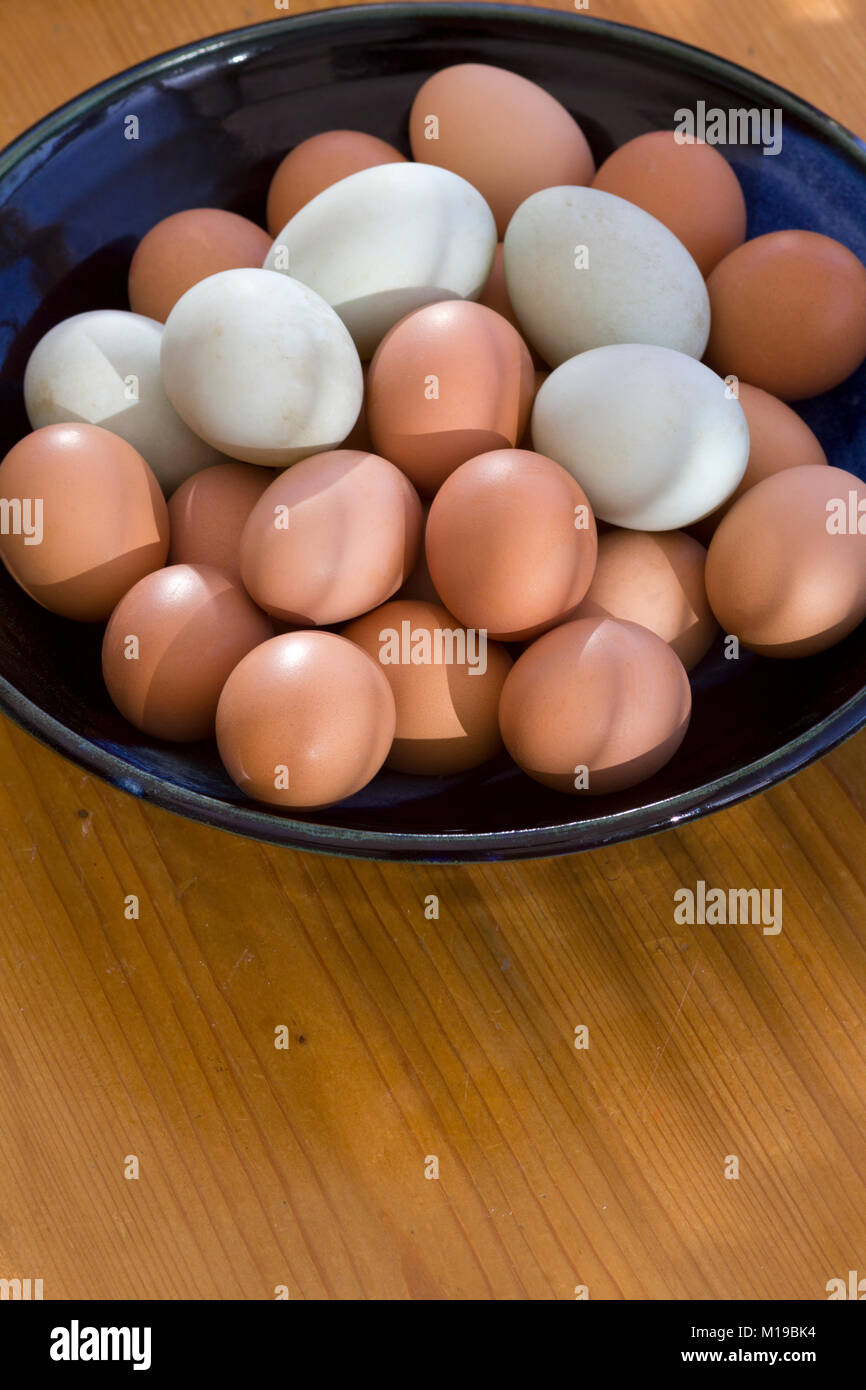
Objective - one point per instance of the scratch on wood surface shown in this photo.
(245, 956)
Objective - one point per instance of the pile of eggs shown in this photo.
(474, 450)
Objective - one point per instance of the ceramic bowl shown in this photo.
(213, 120)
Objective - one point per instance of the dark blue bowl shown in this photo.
(213, 121)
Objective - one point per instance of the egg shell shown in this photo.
(601, 702)
(655, 578)
(655, 439)
(305, 720)
(187, 247)
(387, 240)
(103, 367)
(688, 185)
(525, 441)
(504, 134)
(585, 269)
(418, 583)
(446, 685)
(781, 576)
(446, 383)
(494, 294)
(359, 435)
(316, 163)
(261, 367)
(170, 645)
(789, 314)
(511, 543)
(778, 439)
(208, 514)
(104, 522)
(331, 538)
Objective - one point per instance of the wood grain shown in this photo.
(412, 1038)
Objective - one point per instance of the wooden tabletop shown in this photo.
(419, 1046)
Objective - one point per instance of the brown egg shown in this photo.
(495, 293)
(448, 382)
(332, 537)
(418, 583)
(502, 133)
(316, 163)
(595, 706)
(446, 684)
(691, 188)
(209, 511)
(511, 543)
(91, 519)
(655, 578)
(495, 296)
(359, 435)
(525, 441)
(305, 720)
(786, 569)
(778, 439)
(171, 644)
(788, 314)
(185, 248)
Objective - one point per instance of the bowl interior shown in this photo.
(211, 124)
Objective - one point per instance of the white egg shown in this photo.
(585, 269)
(655, 439)
(261, 367)
(388, 240)
(102, 368)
